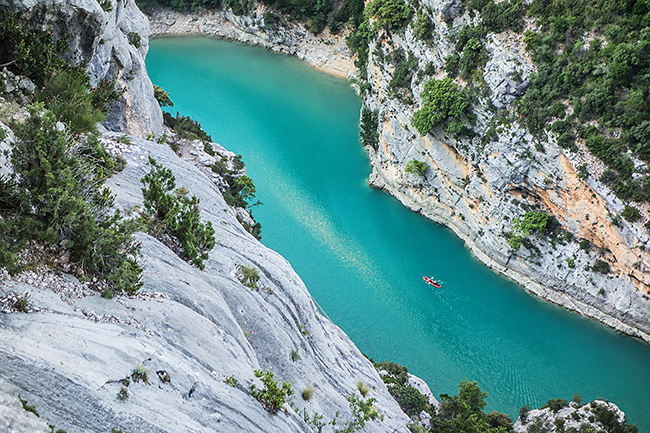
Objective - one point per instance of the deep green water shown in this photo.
(362, 255)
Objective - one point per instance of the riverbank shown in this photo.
(325, 52)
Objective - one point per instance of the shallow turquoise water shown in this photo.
(362, 255)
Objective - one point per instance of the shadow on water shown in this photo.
(362, 254)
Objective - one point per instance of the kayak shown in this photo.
(432, 282)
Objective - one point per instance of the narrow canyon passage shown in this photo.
(362, 255)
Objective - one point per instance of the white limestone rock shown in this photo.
(573, 416)
(13, 418)
(199, 327)
(101, 39)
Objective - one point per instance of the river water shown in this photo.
(362, 255)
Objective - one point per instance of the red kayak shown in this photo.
(433, 282)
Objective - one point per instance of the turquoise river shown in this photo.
(362, 255)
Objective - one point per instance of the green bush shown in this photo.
(175, 214)
(139, 374)
(56, 197)
(499, 420)
(403, 72)
(399, 371)
(249, 277)
(362, 412)
(423, 27)
(241, 191)
(271, 19)
(107, 5)
(186, 127)
(631, 213)
(556, 404)
(66, 94)
(307, 393)
(417, 167)
(135, 39)
(369, 125)
(522, 228)
(464, 412)
(443, 104)
(28, 407)
(162, 97)
(271, 396)
(474, 58)
(601, 266)
(232, 381)
(390, 14)
(409, 399)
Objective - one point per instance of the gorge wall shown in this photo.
(477, 189)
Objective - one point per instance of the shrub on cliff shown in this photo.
(601, 266)
(532, 222)
(412, 401)
(369, 125)
(631, 213)
(56, 197)
(556, 404)
(443, 104)
(186, 127)
(416, 167)
(423, 27)
(175, 214)
(464, 412)
(162, 97)
(389, 14)
(63, 88)
(271, 396)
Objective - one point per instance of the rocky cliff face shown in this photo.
(112, 40)
(69, 355)
(79, 359)
(477, 188)
(598, 415)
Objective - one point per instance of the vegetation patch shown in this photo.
(389, 14)
(412, 401)
(522, 228)
(28, 407)
(173, 217)
(369, 125)
(249, 276)
(416, 167)
(443, 104)
(271, 396)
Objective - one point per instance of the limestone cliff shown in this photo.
(325, 51)
(198, 327)
(113, 42)
(197, 336)
(477, 188)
